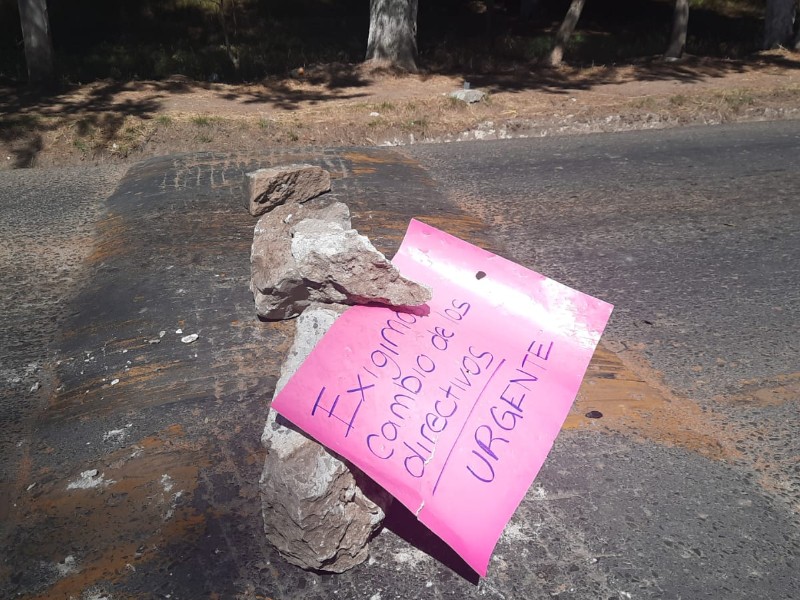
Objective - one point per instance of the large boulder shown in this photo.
(318, 512)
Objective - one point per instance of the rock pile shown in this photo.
(309, 253)
(308, 262)
(319, 512)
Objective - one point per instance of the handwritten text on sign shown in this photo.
(452, 409)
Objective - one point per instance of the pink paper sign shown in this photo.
(452, 410)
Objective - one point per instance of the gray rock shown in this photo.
(316, 257)
(277, 284)
(318, 512)
(343, 266)
(268, 188)
(468, 96)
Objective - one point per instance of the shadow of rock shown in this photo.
(403, 523)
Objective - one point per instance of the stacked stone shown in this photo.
(308, 262)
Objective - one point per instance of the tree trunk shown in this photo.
(680, 23)
(38, 45)
(778, 23)
(393, 34)
(223, 20)
(565, 32)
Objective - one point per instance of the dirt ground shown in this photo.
(340, 105)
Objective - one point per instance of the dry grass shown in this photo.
(390, 110)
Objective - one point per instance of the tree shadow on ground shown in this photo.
(566, 80)
(100, 110)
(26, 116)
(104, 116)
(285, 93)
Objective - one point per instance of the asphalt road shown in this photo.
(692, 232)
(688, 487)
(48, 224)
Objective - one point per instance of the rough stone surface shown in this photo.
(348, 268)
(468, 96)
(316, 257)
(317, 512)
(276, 282)
(268, 188)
